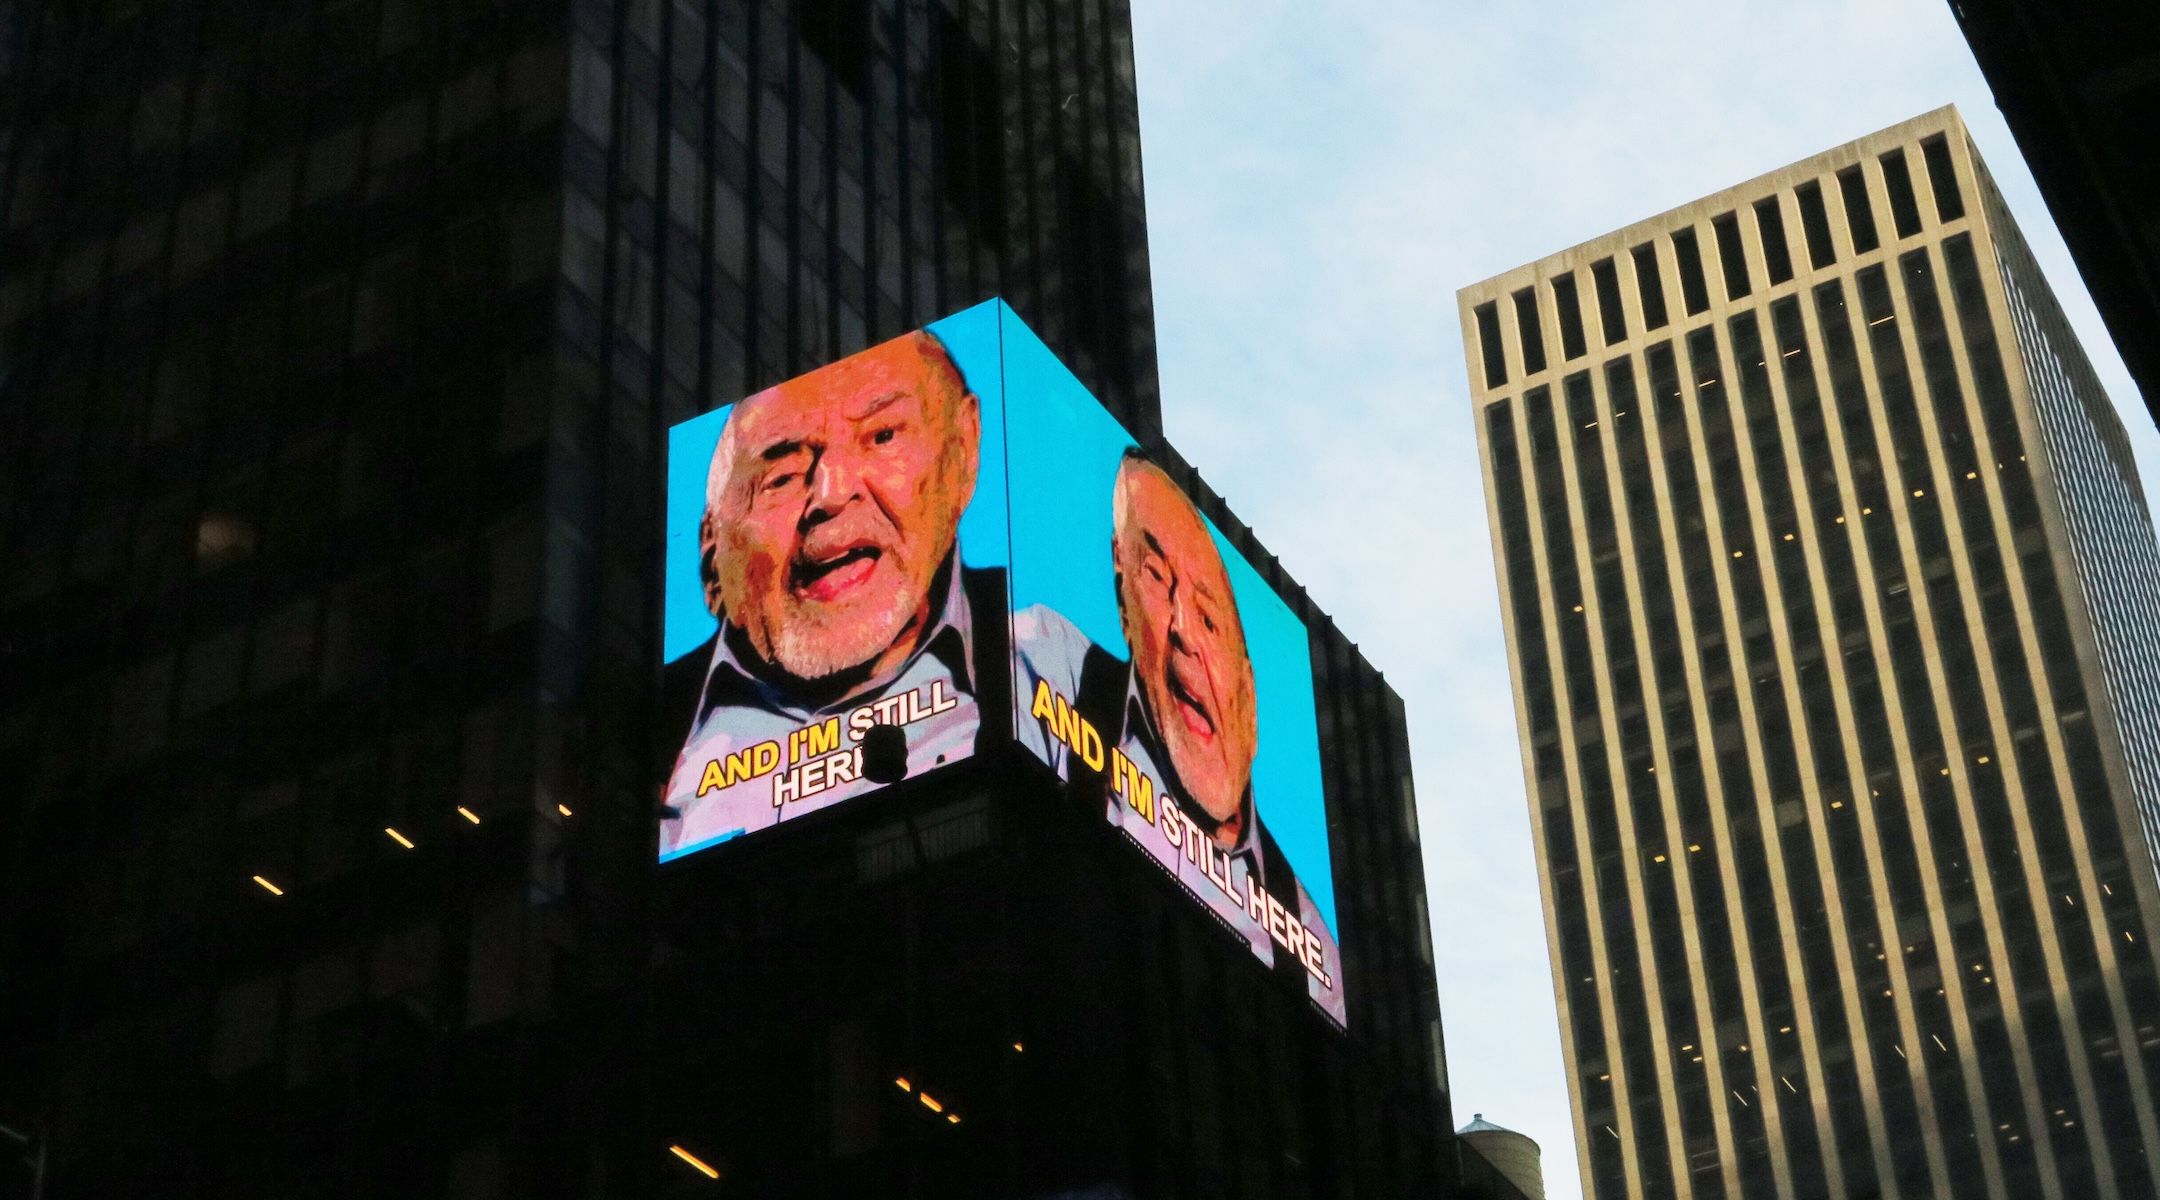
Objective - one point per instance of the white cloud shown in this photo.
(1321, 180)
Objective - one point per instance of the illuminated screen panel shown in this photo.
(854, 559)
(1161, 677)
(836, 554)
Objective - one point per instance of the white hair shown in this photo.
(716, 473)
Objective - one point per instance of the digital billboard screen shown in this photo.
(879, 542)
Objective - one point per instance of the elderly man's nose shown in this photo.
(1177, 623)
(834, 480)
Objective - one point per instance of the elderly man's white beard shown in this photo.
(814, 641)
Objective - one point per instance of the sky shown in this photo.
(1321, 179)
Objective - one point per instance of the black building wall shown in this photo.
(2078, 84)
(1004, 950)
(337, 338)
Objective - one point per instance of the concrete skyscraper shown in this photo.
(1831, 598)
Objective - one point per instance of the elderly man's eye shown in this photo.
(882, 436)
(776, 482)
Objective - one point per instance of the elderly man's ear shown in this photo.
(1252, 708)
(1117, 576)
(969, 426)
(708, 563)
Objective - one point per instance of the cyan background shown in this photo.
(1062, 452)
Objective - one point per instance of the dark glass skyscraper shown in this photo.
(1831, 594)
(2077, 85)
(337, 339)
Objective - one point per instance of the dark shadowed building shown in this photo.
(337, 339)
(2079, 84)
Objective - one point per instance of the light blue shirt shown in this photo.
(755, 757)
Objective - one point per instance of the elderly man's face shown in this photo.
(839, 494)
(1188, 646)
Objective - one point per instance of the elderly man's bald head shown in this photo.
(831, 502)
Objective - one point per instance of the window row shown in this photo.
(1736, 275)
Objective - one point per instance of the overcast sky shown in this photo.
(1321, 179)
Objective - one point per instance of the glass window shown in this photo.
(592, 91)
(1904, 206)
(1488, 326)
(199, 231)
(139, 706)
(492, 988)
(404, 964)
(1859, 211)
(265, 198)
(210, 671)
(839, 30)
(685, 183)
(1693, 290)
(687, 42)
(641, 155)
(245, 1031)
(284, 647)
(1770, 223)
(1942, 176)
(513, 574)
(333, 163)
(1650, 286)
(399, 132)
(642, 19)
(1815, 224)
(1732, 256)
(1530, 330)
(1572, 344)
(971, 110)
(1608, 300)
(476, 1173)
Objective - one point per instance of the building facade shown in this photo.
(337, 338)
(1828, 584)
(2076, 84)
